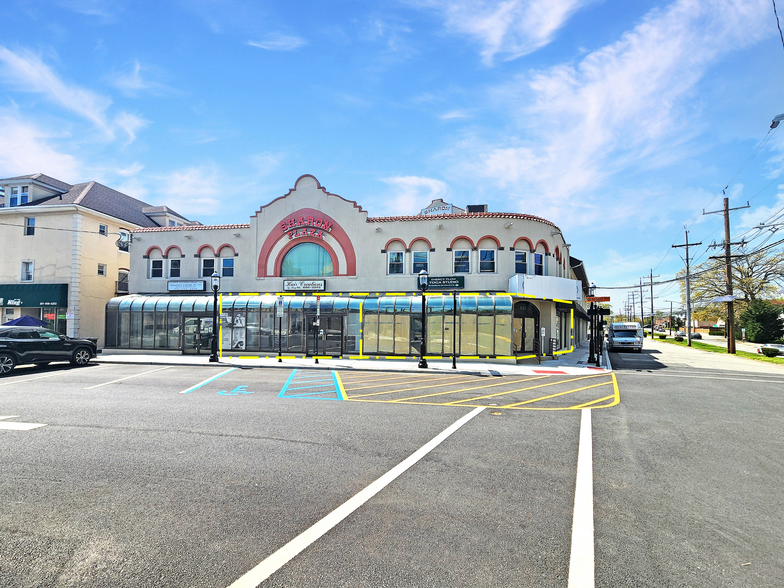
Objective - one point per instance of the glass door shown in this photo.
(197, 334)
(324, 334)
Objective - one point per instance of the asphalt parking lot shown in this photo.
(132, 475)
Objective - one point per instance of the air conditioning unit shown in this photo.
(476, 208)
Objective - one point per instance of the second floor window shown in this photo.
(29, 226)
(101, 269)
(487, 260)
(420, 262)
(462, 261)
(13, 199)
(27, 271)
(156, 268)
(521, 262)
(538, 264)
(174, 268)
(395, 262)
(25, 195)
(207, 267)
(103, 230)
(227, 267)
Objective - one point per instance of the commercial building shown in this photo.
(65, 250)
(312, 273)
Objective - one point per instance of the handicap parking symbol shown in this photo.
(236, 391)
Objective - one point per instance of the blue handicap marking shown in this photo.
(237, 390)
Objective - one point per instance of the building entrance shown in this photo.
(324, 334)
(525, 328)
(196, 334)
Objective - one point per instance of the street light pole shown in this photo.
(423, 345)
(591, 294)
(215, 329)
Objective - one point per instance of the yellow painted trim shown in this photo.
(359, 357)
(470, 294)
(395, 357)
(359, 293)
(564, 301)
(249, 357)
(468, 356)
(341, 391)
(395, 294)
(249, 294)
(525, 356)
(467, 389)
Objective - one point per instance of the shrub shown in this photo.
(762, 321)
(679, 338)
(662, 336)
(769, 352)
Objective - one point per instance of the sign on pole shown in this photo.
(598, 298)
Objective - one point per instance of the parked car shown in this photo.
(26, 345)
(680, 334)
(696, 335)
(776, 346)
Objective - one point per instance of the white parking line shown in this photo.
(59, 373)
(294, 547)
(127, 378)
(581, 561)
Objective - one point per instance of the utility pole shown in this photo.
(728, 265)
(688, 291)
(651, 284)
(642, 310)
(670, 318)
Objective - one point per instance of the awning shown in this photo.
(34, 295)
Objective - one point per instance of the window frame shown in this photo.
(103, 230)
(401, 263)
(202, 265)
(171, 270)
(467, 261)
(29, 228)
(225, 265)
(153, 270)
(539, 267)
(414, 263)
(524, 262)
(127, 246)
(102, 266)
(31, 262)
(494, 262)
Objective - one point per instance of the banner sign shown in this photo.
(34, 295)
(186, 286)
(445, 283)
(304, 285)
(598, 298)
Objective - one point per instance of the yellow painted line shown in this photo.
(528, 388)
(361, 325)
(249, 294)
(419, 387)
(500, 356)
(396, 357)
(359, 294)
(564, 301)
(249, 357)
(586, 404)
(395, 381)
(341, 390)
(526, 356)
(554, 395)
(434, 356)
(395, 294)
(470, 294)
(469, 357)
(467, 389)
(359, 356)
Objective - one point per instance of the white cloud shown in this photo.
(510, 28)
(26, 149)
(26, 72)
(278, 42)
(192, 191)
(136, 81)
(410, 194)
(455, 114)
(621, 106)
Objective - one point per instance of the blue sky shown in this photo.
(619, 121)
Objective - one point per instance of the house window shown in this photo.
(174, 268)
(13, 199)
(487, 261)
(101, 269)
(462, 264)
(24, 196)
(395, 262)
(538, 264)
(103, 230)
(521, 259)
(27, 271)
(227, 267)
(420, 262)
(124, 241)
(156, 268)
(29, 228)
(207, 267)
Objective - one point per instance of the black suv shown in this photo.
(21, 345)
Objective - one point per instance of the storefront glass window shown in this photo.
(485, 326)
(467, 318)
(306, 259)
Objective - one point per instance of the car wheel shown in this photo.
(7, 363)
(80, 357)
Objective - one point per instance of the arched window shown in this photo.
(306, 259)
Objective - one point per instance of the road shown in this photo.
(182, 476)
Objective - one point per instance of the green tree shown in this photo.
(762, 321)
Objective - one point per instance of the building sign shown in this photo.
(304, 285)
(446, 282)
(34, 295)
(597, 298)
(306, 226)
(437, 207)
(186, 286)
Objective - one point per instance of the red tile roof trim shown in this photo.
(513, 215)
(190, 228)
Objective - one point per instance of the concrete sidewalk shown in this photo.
(575, 362)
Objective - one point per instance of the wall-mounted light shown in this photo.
(187, 236)
(440, 226)
(508, 225)
(378, 229)
(236, 234)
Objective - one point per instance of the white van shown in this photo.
(625, 336)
